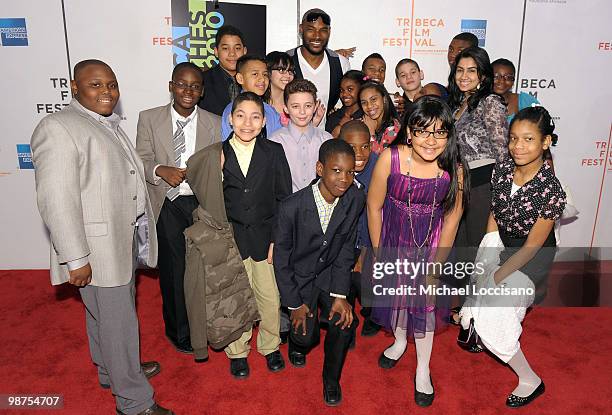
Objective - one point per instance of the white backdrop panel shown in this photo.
(563, 64)
(27, 87)
(127, 35)
(503, 26)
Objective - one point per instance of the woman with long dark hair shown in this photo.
(482, 129)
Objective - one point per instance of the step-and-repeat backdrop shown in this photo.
(563, 49)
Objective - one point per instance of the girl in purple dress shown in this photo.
(415, 202)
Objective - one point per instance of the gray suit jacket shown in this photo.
(154, 145)
(86, 187)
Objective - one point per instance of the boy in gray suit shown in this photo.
(92, 196)
(166, 137)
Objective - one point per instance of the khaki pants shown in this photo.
(263, 282)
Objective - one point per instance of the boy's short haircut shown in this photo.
(299, 85)
(247, 58)
(332, 147)
(404, 62)
(188, 65)
(354, 126)
(248, 96)
(85, 63)
(467, 37)
(374, 55)
(228, 30)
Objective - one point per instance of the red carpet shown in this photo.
(45, 351)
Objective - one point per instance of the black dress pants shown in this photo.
(337, 339)
(473, 224)
(174, 217)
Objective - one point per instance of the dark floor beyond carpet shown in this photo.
(44, 351)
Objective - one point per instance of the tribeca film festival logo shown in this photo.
(602, 156)
(477, 27)
(421, 30)
(62, 86)
(13, 32)
(535, 85)
(24, 156)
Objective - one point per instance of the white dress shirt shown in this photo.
(190, 131)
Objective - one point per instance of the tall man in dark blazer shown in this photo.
(220, 86)
(256, 177)
(314, 253)
(166, 137)
(92, 196)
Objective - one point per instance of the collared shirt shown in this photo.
(190, 129)
(220, 88)
(325, 209)
(302, 152)
(244, 153)
(111, 123)
(273, 121)
(516, 213)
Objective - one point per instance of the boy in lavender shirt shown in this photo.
(300, 139)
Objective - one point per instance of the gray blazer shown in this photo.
(86, 185)
(154, 145)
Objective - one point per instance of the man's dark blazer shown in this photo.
(304, 256)
(252, 202)
(216, 90)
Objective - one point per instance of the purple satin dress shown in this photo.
(401, 240)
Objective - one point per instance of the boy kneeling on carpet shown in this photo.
(313, 257)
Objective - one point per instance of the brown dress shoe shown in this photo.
(154, 410)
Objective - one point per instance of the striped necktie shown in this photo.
(178, 142)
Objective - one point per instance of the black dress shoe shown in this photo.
(275, 361)
(369, 328)
(284, 336)
(150, 369)
(422, 398)
(514, 401)
(239, 368)
(386, 362)
(332, 395)
(297, 359)
(182, 347)
(154, 410)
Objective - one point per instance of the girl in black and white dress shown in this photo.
(527, 198)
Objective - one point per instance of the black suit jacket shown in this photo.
(216, 90)
(252, 202)
(304, 256)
